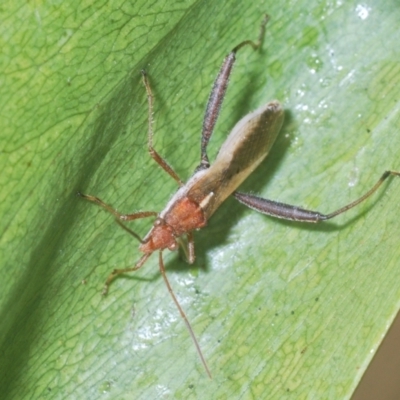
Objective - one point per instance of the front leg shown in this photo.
(188, 247)
(191, 255)
(117, 272)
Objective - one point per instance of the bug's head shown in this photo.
(160, 237)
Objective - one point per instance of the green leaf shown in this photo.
(281, 309)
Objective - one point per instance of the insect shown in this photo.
(196, 200)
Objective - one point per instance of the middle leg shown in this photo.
(153, 153)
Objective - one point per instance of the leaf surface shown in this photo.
(281, 310)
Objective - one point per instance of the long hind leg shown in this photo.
(218, 93)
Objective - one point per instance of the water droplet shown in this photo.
(362, 11)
